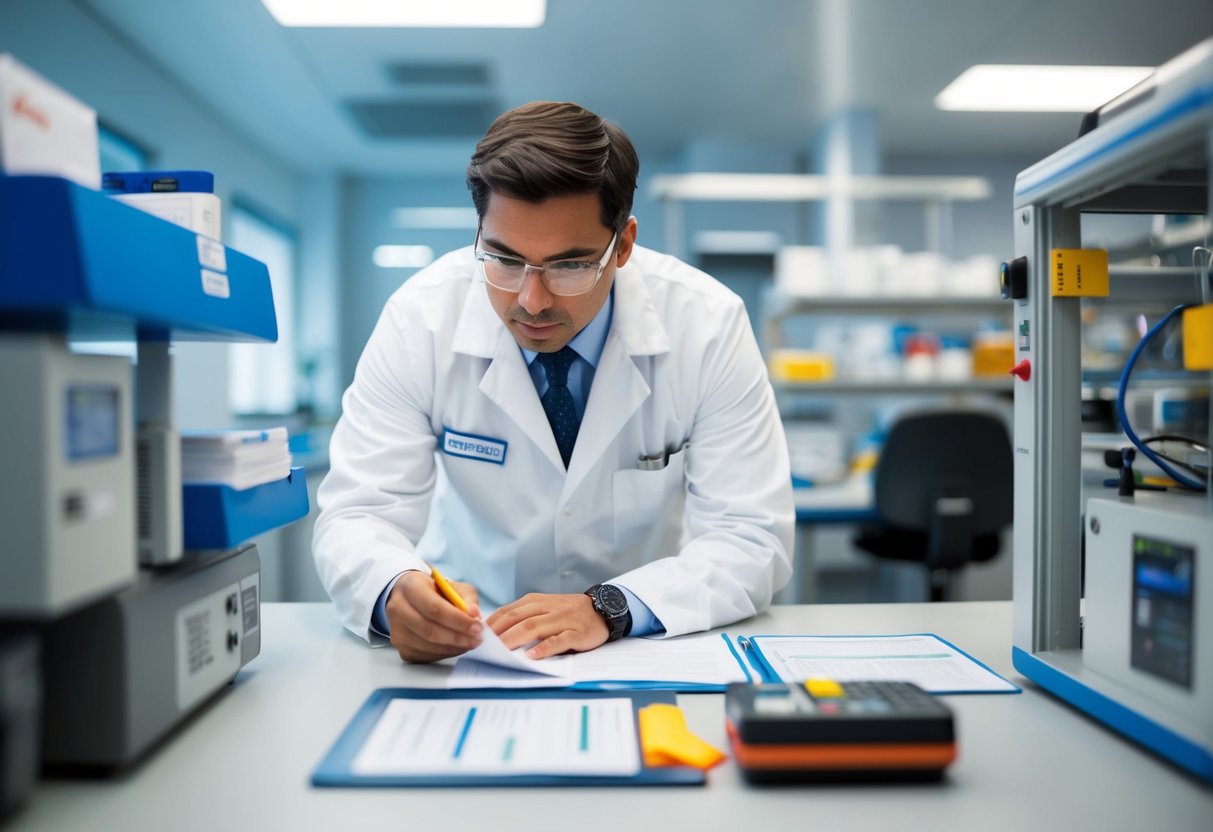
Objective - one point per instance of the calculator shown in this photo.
(829, 730)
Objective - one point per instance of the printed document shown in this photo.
(697, 659)
(927, 661)
(443, 737)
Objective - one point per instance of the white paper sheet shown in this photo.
(466, 737)
(696, 659)
(492, 652)
(925, 660)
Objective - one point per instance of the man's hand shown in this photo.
(426, 627)
(560, 623)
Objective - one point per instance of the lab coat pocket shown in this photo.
(645, 505)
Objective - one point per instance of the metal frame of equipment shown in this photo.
(1149, 153)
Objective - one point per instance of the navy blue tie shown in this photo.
(558, 400)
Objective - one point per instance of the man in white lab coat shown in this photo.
(578, 430)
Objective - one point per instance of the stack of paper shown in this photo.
(239, 459)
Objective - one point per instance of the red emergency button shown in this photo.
(1022, 370)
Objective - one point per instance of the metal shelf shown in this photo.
(784, 306)
(936, 193)
(894, 387)
(798, 187)
(73, 259)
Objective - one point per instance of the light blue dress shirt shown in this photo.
(588, 345)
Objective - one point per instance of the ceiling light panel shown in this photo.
(431, 14)
(1039, 89)
(402, 257)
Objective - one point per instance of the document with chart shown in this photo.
(502, 737)
(922, 658)
(427, 737)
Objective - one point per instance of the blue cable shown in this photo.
(1124, 416)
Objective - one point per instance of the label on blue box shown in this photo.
(211, 254)
(215, 284)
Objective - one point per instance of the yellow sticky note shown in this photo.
(666, 740)
(1198, 337)
(1079, 272)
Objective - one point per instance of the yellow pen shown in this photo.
(447, 591)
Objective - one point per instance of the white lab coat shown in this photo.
(703, 542)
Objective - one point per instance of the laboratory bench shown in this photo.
(1026, 761)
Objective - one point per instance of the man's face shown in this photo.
(559, 228)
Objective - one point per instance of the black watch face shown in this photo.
(612, 600)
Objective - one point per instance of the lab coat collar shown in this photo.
(479, 329)
(635, 318)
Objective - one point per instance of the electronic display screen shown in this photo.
(91, 418)
(1163, 603)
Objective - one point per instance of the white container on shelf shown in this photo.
(870, 354)
(975, 276)
(917, 275)
(857, 272)
(44, 130)
(199, 212)
(919, 367)
(802, 271)
(954, 364)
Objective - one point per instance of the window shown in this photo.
(119, 153)
(263, 376)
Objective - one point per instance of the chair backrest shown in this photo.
(950, 462)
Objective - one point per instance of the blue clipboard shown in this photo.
(335, 770)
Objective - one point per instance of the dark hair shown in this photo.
(548, 148)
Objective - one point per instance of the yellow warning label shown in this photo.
(1080, 273)
(1198, 337)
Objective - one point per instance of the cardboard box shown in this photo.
(43, 130)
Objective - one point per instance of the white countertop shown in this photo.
(1027, 761)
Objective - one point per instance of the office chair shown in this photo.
(944, 493)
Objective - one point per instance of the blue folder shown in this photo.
(335, 769)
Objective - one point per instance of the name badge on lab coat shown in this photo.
(471, 446)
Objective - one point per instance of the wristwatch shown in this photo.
(612, 605)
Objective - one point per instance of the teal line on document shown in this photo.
(863, 658)
(463, 735)
(508, 753)
(585, 727)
